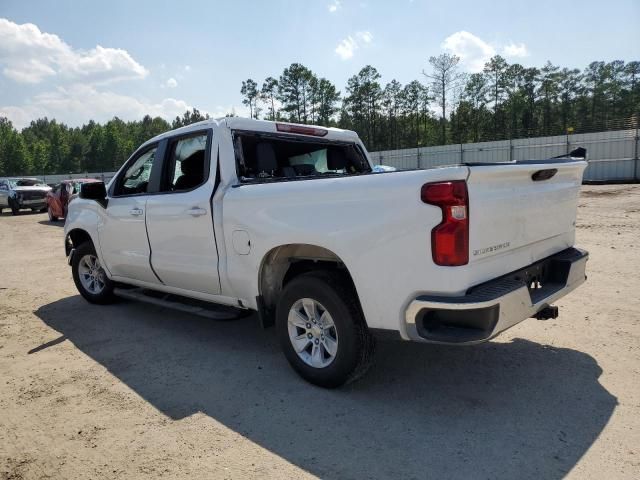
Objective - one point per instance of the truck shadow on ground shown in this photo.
(500, 410)
(49, 223)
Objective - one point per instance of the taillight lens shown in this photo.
(450, 238)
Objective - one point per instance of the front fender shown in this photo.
(84, 216)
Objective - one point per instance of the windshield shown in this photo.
(26, 182)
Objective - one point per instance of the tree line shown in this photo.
(443, 106)
(446, 105)
(49, 147)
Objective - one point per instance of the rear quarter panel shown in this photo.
(376, 224)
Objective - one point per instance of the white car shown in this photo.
(277, 218)
(21, 193)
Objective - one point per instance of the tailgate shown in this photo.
(509, 211)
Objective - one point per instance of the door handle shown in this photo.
(196, 211)
(135, 211)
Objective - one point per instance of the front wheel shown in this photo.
(89, 276)
(322, 330)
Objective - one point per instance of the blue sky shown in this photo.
(80, 60)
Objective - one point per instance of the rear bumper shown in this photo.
(492, 307)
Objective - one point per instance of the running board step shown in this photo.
(183, 304)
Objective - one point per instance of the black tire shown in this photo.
(106, 296)
(355, 343)
(14, 208)
(52, 217)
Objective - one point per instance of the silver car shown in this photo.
(22, 193)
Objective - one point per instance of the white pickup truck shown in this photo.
(291, 221)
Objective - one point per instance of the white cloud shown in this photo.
(334, 6)
(365, 36)
(515, 50)
(28, 55)
(473, 51)
(79, 103)
(172, 83)
(22, 116)
(223, 110)
(347, 47)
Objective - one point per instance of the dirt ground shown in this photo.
(135, 391)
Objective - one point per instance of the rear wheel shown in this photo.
(322, 330)
(89, 276)
(52, 217)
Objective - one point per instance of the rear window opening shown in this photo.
(268, 158)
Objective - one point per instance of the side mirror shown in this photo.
(94, 191)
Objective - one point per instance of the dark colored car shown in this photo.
(58, 198)
(22, 193)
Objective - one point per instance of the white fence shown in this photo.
(612, 156)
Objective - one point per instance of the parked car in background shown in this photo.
(22, 193)
(60, 196)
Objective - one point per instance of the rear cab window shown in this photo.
(274, 157)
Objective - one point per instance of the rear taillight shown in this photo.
(450, 239)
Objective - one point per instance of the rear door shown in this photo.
(123, 234)
(180, 218)
(526, 211)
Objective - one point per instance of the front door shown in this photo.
(123, 234)
(180, 220)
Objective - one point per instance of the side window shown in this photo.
(186, 165)
(135, 179)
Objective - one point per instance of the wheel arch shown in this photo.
(283, 263)
(76, 237)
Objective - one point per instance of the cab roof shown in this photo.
(252, 124)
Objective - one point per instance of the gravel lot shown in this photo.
(135, 391)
